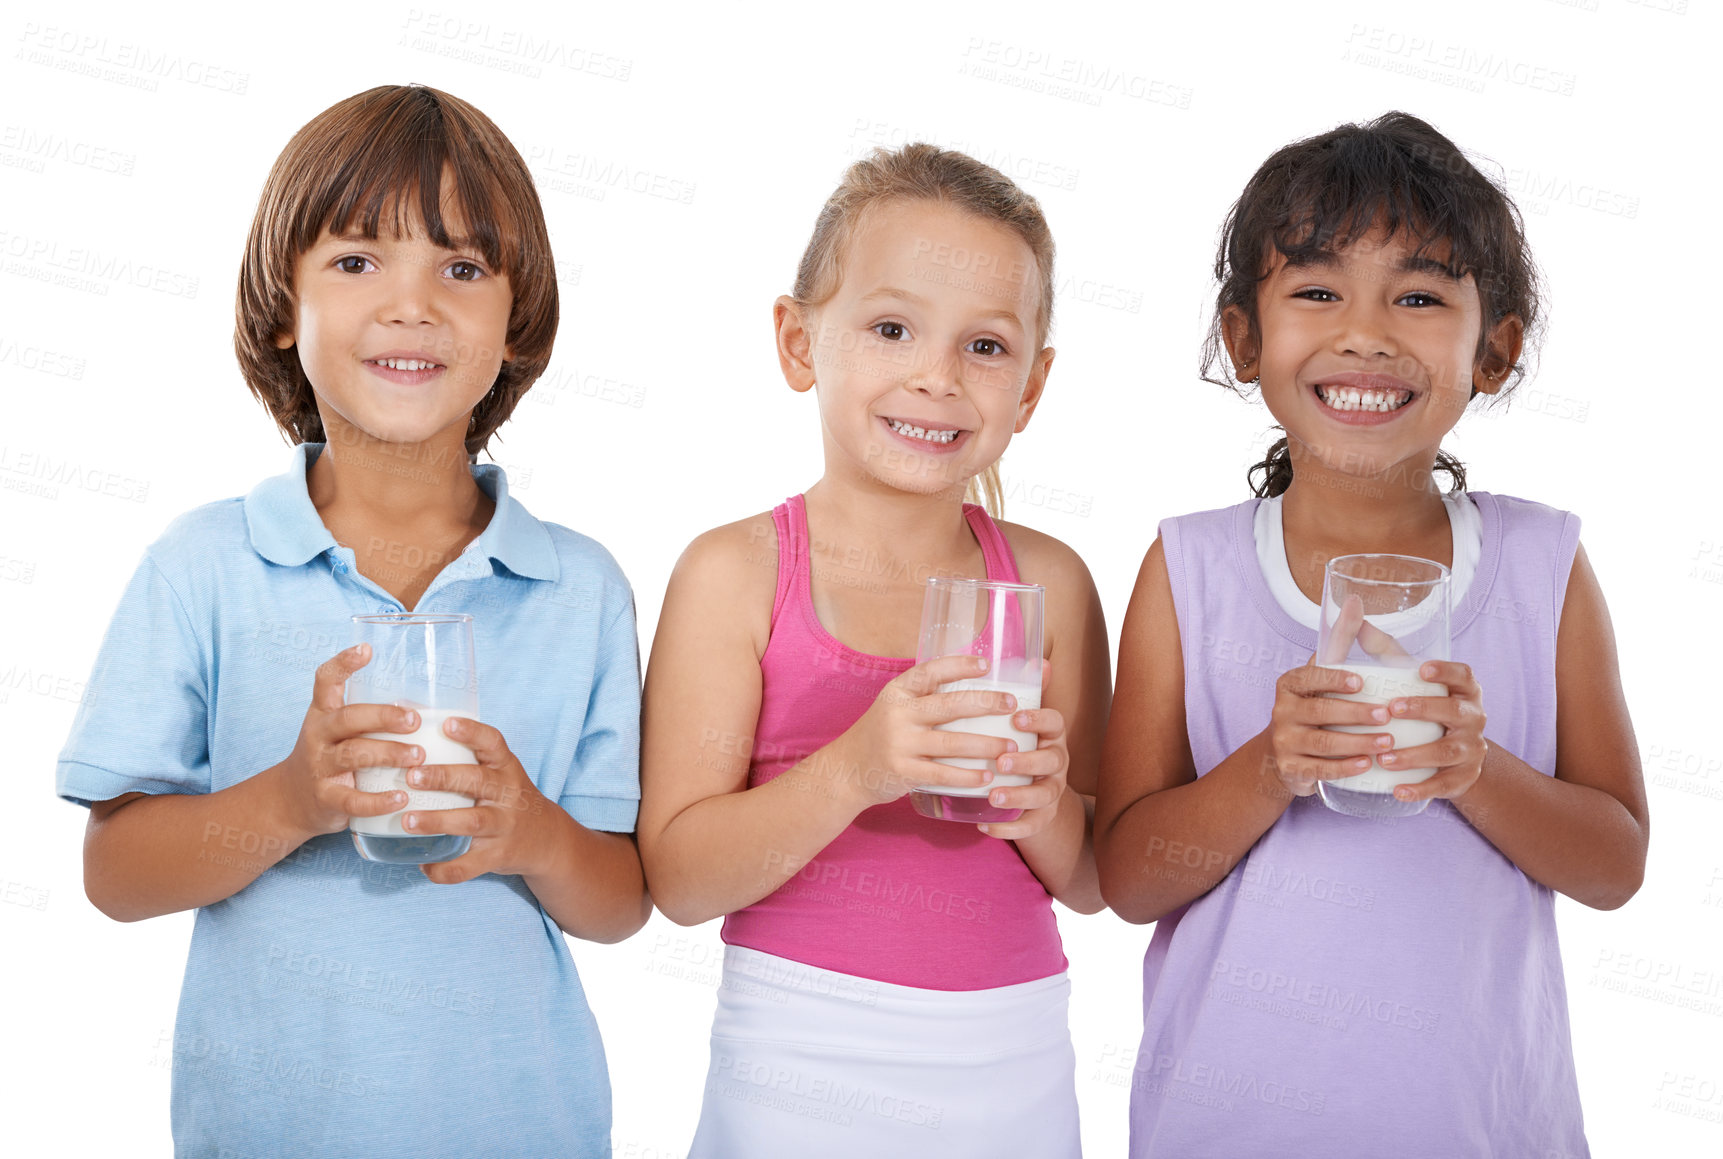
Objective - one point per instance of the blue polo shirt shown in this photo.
(337, 1006)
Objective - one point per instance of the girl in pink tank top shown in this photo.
(893, 984)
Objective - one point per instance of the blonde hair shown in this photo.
(923, 172)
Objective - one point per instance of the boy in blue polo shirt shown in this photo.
(397, 299)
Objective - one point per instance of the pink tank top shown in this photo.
(896, 897)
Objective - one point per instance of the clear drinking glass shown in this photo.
(1383, 617)
(1002, 622)
(422, 661)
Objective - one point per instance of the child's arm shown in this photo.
(1059, 848)
(1164, 836)
(574, 853)
(588, 881)
(147, 855)
(1583, 831)
(712, 845)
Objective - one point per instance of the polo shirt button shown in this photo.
(385, 609)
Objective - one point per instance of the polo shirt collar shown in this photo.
(285, 528)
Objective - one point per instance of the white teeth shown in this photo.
(919, 433)
(405, 363)
(1348, 398)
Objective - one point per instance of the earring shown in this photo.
(1252, 378)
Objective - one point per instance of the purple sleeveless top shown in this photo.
(1355, 987)
(896, 897)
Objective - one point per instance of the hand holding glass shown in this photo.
(1002, 623)
(424, 662)
(1383, 617)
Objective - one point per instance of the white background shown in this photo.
(134, 146)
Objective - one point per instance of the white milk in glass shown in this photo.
(1028, 696)
(1381, 685)
(440, 749)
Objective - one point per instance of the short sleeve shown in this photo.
(142, 726)
(603, 790)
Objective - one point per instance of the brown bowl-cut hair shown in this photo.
(379, 158)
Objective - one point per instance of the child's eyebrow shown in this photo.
(354, 237)
(1411, 264)
(894, 292)
(916, 299)
(1417, 264)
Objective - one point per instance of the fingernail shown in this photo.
(397, 798)
(986, 776)
(1004, 763)
(1385, 742)
(417, 755)
(1389, 758)
(1361, 763)
(981, 663)
(454, 725)
(1400, 706)
(412, 719)
(1354, 683)
(1012, 706)
(997, 800)
(1023, 720)
(1379, 714)
(410, 821)
(1428, 672)
(415, 776)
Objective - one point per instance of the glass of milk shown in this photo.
(1002, 622)
(422, 661)
(1383, 617)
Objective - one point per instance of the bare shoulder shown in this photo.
(1044, 560)
(733, 553)
(728, 576)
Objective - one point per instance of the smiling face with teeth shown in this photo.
(399, 337)
(927, 358)
(1368, 357)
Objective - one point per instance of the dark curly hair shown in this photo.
(1318, 195)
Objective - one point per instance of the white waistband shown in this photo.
(764, 997)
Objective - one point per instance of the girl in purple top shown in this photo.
(1321, 985)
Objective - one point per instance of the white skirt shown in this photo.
(816, 1064)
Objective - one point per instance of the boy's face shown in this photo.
(399, 337)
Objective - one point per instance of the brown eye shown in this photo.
(465, 271)
(351, 264)
(987, 347)
(895, 331)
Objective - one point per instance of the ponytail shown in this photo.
(987, 490)
(1276, 471)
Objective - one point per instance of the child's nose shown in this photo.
(936, 377)
(1366, 330)
(411, 297)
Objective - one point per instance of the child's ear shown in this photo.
(1240, 342)
(284, 340)
(1501, 351)
(1033, 388)
(795, 342)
